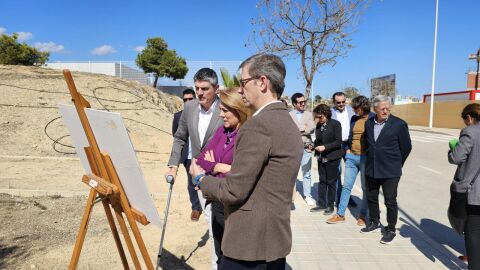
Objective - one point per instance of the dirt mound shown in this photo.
(30, 122)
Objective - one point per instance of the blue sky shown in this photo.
(394, 36)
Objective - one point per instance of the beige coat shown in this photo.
(257, 193)
(306, 125)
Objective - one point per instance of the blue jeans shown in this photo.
(192, 193)
(306, 166)
(353, 164)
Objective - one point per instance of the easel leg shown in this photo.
(126, 235)
(111, 222)
(83, 230)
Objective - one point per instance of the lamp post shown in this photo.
(432, 95)
(477, 57)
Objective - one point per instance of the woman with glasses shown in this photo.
(355, 160)
(217, 157)
(328, 149)
(466, 155)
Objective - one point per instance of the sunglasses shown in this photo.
(339, 102)
(187, 99)
(301, 102)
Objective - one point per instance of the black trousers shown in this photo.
(389, 188)
(327, 186)
(233, 264)
(472, 238)
(218, 226)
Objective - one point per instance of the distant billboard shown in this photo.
(384, 85)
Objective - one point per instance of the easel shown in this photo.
(106, 188)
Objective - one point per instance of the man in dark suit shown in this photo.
(388, 146)
(258, 190)
(198, 123)
(187, 95)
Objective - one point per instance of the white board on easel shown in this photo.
(112, 138)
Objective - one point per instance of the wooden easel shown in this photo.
(105, 187)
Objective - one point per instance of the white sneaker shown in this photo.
(310, 201)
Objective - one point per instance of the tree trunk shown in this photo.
(155, 82)
(308, 88)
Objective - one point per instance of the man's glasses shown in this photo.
(187, 99)
(340, 102)
(244, 82)
(301, 102)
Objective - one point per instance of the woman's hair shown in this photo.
(232, 100)
(473, 110)
(361, 102)
(324, 110)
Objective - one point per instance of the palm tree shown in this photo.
(229, 81)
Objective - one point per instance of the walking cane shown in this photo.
(170, 180)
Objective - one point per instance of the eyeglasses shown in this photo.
(340, 102)
(244, 82)
(301, 102)
(187, 99)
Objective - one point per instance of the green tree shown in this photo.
(229, 81)
(156, 58)
(318, 98)
(14, 53)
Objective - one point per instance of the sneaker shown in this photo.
(317, 209)
(335, 219)
(373, 227)
(195, 215)
(388, 237)
(328, 211)
(310, 201)
(361, 221)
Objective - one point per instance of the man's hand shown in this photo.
(195, 169)
(221, 168)
(172, 171)
(320, 148)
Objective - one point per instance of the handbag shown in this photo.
(457, 208)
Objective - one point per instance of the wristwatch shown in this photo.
(197, 178)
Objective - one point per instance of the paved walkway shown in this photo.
(318, 245)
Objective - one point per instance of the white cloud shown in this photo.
(23, 36)
(103, 50)
(3, 30)
(139, 49)
(49, 47)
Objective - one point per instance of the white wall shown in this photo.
(92, 67)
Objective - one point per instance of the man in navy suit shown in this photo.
(388, 146)
(188, 94)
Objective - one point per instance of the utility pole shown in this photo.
(477, 57)
(432, 96)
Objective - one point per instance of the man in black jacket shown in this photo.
(388, 146)
(188, 94)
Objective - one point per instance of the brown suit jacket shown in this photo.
(257, 193)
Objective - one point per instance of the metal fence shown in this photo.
(130, 71)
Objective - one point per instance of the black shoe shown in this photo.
(317, 209)
(328, 211)
(352, 202)
(292, 207)
(388, 237)
(372, 227)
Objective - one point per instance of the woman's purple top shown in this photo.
(222, 145)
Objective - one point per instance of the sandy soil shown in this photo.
(37, 154)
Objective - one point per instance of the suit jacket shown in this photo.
(331, 138)
(467, 156)
(306, 126)
(188, 126)
(386, 156)
(257, 193)
(176, 119)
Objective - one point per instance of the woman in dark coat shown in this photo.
(328, 150)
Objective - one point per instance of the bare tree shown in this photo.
(317, 31)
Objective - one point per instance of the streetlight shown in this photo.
(477, 57)
(432, 95)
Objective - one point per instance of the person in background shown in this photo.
(328, 149)
(388, 145)
(217, 157)
(343, 114)
(188, 94)
(466, 154)
(306, 125)
(355, 161)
